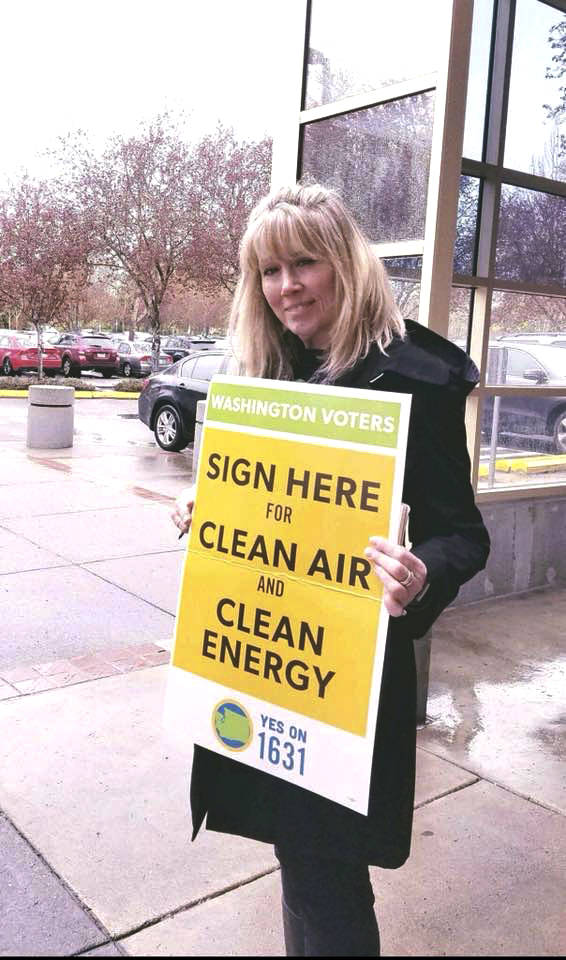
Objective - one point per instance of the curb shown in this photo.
(83, 394)
(542, 464)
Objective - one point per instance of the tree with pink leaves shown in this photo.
(139, 201)
(196, 312)
(166, 214)
(232, 178)
(94, 305)
(44, 250)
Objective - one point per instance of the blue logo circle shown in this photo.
(232, 725)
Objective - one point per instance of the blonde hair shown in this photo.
(311, 219)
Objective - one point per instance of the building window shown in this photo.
(355, 47)
(531, 240)
(512, 233)
(378, 160)
(405, 277)
(473, 241)
(466, 227)
(478, 79)
(536, 128)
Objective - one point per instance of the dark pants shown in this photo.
(327, 908)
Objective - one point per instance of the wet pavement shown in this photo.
(496, 698)
(94, 827)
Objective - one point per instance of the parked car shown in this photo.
(557, 339)
(88, 352)
(177, 347)
(168, 401)
(540, 422)
(18, 353)
(180, 346)
(209, 343)
(135, 359)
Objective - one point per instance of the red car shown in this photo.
(17, 354)
(87, 352)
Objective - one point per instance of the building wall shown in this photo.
(527, 548)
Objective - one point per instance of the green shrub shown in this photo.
(16, 383)
(24, 381)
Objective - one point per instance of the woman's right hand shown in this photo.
(182, 513)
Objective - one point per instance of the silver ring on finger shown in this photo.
(408, 579)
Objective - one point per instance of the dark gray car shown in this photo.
(168, 401)
(538, 423)
(135, 359)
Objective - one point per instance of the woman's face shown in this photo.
(300, 289)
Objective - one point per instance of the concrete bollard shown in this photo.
(50, 417)
(201, 407)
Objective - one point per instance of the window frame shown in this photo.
(484, 281)
(447, 165)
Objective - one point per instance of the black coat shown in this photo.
(448, 535)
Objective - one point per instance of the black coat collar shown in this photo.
(423, 356)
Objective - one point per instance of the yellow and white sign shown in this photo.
(281, 629)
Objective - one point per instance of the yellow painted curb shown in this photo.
(535, 464)
(82, 394)
(115, 394)
(540, 464)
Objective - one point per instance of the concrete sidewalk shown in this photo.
(94, 825)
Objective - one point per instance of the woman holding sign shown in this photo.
(314, 304)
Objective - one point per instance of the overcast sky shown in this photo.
(105, 65)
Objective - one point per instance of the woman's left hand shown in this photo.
(402, 574)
